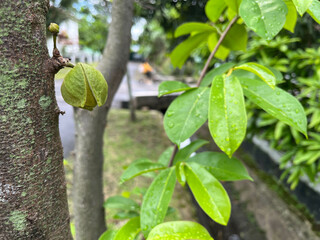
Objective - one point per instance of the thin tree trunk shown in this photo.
(133, 117)
(33, 201)
(88, 166)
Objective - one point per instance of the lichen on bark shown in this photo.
(32, 186)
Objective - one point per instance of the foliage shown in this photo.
(301, 155)
(221, 100)
(93, 27)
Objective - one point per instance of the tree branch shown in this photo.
(222, 37)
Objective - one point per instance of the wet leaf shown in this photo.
(186, 114)
(156, 200)
(302, 5)
(277, 103)
(221, 166)
(261, 71)
(184, 153)
(179, 230)
(193, 27)
(227, 114)
(265, 17)
(209, 193)
(108, 235)
(168, 87)
(129, 231)
(214, 9)
(207, 80)
(138, 168)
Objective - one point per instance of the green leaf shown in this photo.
(186, 114)
(193, 27)
(314, 10)
(84, 87)
(302, 5)
(261, 71)
(221, 167)
(265, 17)
(233, 4)
(227, 114)
(156, 200)
(180, 173)
(277, 103)
(165, 156)
(122, 215)
(130, 230)
(138, 168)
(239, 33)
(181, 53)
(120, 202)
(277, 74)
(108, 235)
(168, 87)
(207, 80)
(222, 52)
(214, 9)
(179, 230)
(292, 16)
(209, 193)
(184, 153)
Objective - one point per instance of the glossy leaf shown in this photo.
(222, 52)
(207, 80)
(227, 114)
(84, 87)
(130, 230)
(292, 16)
(277, 103)
(184, 153)
(193, 27)
(302, 5)
(314, 11)
(261, 71)
(156, 200)
(165, 156)
(221, 167)
(180, 173)
(179, 230)
(186, 114)
(233, 4)
(265, 17)
(181, 53)
(108, 235)
(209, 193)
(239, 33)
(168, 87)
(214, 9)
(122, 215)
(138, 168)
(120, 202)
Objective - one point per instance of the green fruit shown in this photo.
(84, 87)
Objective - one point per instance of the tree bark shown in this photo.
(88, 167)
(33, 201)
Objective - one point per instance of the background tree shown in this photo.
(88, 166)
(33, 198)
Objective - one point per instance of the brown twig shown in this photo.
(222, 37)
(175, 150)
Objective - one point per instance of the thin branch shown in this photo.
(175, 150)
(222, 37)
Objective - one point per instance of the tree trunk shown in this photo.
(33, 201)
(88, 166)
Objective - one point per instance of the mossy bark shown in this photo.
(33, 202)
(88, 166)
